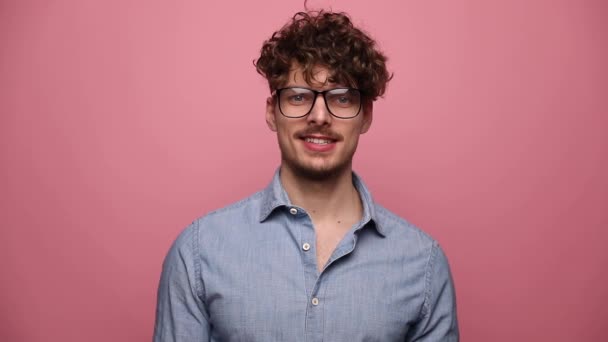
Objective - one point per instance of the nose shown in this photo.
(319, 114)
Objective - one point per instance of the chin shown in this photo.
(317, 172)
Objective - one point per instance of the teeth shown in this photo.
(318, 141)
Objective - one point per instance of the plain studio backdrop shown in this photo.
(123, 121)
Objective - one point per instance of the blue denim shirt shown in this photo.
(248, 272)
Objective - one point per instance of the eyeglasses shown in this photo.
(297, 102)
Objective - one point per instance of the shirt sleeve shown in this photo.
(180, 311)
(438, 318)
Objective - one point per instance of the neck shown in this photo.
(323, 199)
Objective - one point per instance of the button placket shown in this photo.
(315, 313)
(314, 307)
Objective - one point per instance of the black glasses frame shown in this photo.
(317, 93)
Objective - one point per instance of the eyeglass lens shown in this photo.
(341, 102)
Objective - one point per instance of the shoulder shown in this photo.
(403, 233)
(393, 224)
(414, 243)
(249, 206)
(224, 221)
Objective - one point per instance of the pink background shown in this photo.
(123, 121)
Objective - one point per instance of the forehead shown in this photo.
(320, 77)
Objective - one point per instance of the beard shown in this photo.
(313, 172)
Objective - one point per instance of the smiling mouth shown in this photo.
(318, 141)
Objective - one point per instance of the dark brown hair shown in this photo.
(326, 39)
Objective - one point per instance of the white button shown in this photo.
(293, 211)
(306, 246)
(315, 301)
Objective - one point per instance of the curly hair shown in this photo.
(328, 39)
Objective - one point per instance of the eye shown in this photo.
(343, 99)
(296, 96)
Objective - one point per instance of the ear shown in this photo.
(368, 115)
(270, 114)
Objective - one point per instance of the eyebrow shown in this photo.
(326, 86)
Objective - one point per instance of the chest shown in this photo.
(327, 238)
(272, 292)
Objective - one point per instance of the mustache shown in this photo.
(318, 131)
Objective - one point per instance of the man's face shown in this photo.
(318, 145)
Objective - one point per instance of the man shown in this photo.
(312, 257)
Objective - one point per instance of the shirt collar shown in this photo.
(274, 196)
